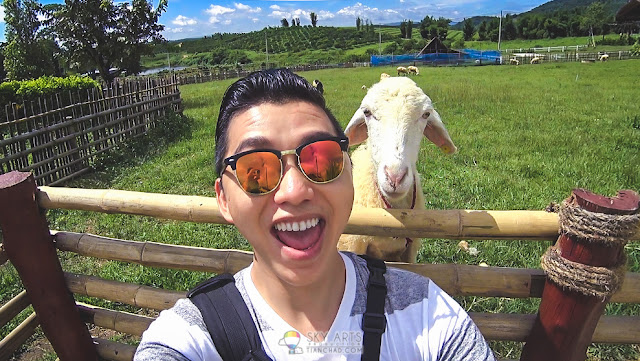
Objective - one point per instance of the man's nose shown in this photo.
(294, 187)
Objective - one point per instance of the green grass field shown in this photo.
(526, 135)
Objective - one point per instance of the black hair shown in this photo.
(278, 86)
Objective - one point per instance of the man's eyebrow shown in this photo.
(316, 136)
(252, 143)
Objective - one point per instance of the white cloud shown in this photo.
(324, 15)
(1, 14)
(247, 8)
(215, 11)
(183, 21)
(274, 7)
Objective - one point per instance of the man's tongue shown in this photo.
(299, 240)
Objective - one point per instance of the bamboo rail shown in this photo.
(457, 280)
(129, 293)
(13, 307)
(449, 224)
(18, 336)
(124, 322)
(113, 351)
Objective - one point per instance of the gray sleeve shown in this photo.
(466, 344)
(177, 334)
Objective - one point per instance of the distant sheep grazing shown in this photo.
(390, 122)
(514, 61)
(364, 87)
(604, 57)
(536, 60)
(402, 71)
(318, 85)
(384, 76)
(413, 70)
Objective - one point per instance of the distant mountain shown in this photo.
(611, 6)
(476, 20)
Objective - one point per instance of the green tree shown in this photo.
(106, 35)
(468, 30)
(358, 23)
(403, 29)
(314, 19)
(284, 22)
(425, 25)
(443, 27)
(431, 28)
(482, 31)
(509, 31)
(594, 18)
(29, 52)
(409, 29)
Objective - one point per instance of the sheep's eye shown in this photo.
(367, 112)
(426, 115)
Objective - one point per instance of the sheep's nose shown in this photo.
(394, 177)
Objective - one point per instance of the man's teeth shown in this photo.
(297, 226)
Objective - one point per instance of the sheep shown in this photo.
(604, 57)
(363, 87)
(402, 70)
(390, 122)
(514, 61)
(384, 76)
(536, 60)
(318, 85)
(413, 70)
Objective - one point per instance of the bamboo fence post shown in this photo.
(571, 304)
(30, 248)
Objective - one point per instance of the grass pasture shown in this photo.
(526, 135)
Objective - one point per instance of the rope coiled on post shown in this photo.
(586, 226)
(599, 282)
(607, 229)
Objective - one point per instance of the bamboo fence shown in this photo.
(59, 137)
(457, 280)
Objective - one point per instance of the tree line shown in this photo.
(82, 35)
(580, 21)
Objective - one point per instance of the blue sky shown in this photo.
(189, 18)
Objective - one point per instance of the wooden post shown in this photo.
(568, 316)
(30, 248)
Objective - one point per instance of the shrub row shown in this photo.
(18, 91)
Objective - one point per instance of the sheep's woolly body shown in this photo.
(366, 194)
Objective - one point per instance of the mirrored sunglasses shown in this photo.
(259, 171)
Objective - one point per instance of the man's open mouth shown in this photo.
(299, 235)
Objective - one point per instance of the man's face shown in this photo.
(295, 257)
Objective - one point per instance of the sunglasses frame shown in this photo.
(232, 161)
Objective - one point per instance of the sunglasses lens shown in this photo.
(322, 161)
(258, 172)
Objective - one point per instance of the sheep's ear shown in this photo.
(437, 133)
(356, 130)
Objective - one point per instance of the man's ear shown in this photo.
(223, 202)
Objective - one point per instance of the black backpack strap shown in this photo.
(228, 319)
(374, 322)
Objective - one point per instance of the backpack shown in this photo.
(236, 337)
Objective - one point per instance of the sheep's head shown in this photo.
(395, 115)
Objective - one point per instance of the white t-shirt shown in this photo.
(423, 323)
